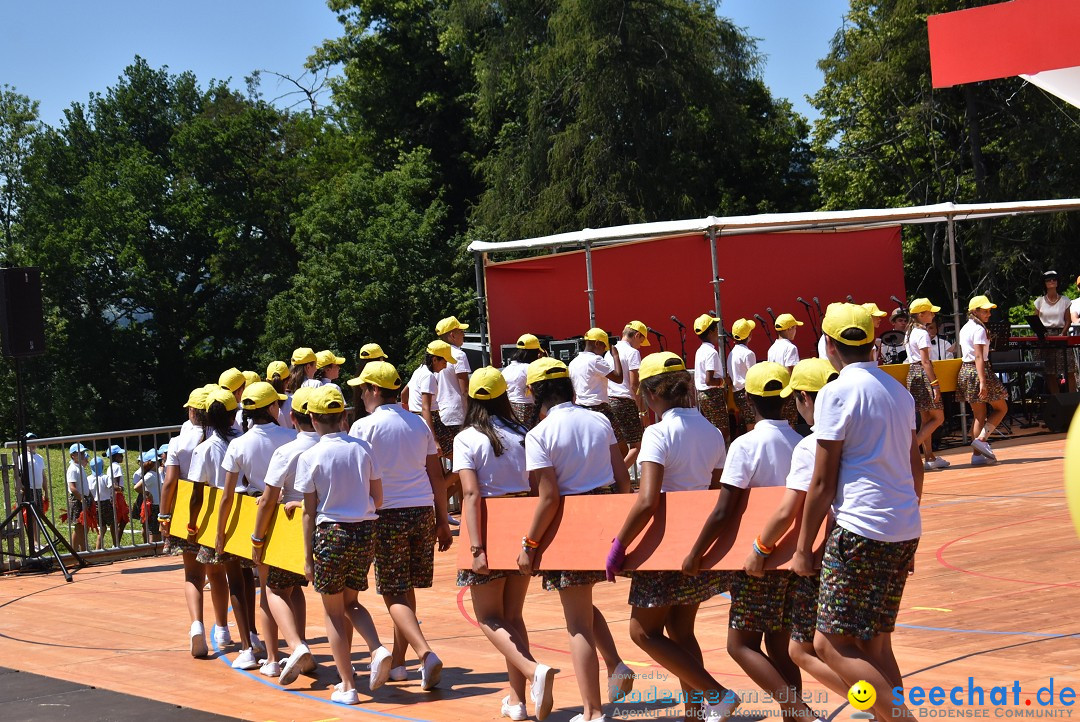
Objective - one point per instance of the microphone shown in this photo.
(652, 330)
(804, 303)
(818, 304)
(899, 303)
(678, 323)
(768, 310)
(850, 299)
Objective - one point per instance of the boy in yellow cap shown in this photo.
(709, 374)
(740, 360)
(589, 373)
(870, 475)
(761, 457)
(515, 373)
(453, 380)
(809, 377)
(624, 396)
(784, 352)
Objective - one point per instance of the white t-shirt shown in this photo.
(284, 414)
(821, 353)
(803, 459)
(874, 415)
(739, 362)
(973, 333)
(181, 447)
(687, 445)
(575, 442)
(249, 455)
(496, 475)
(1074, 307)
(282, 470)
(783, 352)
(312, 383)
(707, 358)
(101, 487)
(401, 442)
(1053, 315)
(517, 390)
(939, 349)
(588, 373)
(451, 400)
(423, 382)
(117, 473)
(761, 456)
(917, 340)
(37, 469)
(76, 476)
(339, 469)
(631, 361)
(206, 462)
(152, 486)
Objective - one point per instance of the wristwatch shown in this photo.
(476, 551)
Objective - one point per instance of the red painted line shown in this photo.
(940, 554)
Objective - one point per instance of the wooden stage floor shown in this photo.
(994, 597)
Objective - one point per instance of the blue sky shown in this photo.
(59, 52)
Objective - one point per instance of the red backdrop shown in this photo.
(651, 280)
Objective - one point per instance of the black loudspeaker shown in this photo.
(22, 321)
(1059, 410)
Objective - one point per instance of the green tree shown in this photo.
(18, 127)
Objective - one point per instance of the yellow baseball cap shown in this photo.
(840, 317)
(326, 358)
(224, 396)
(487, 383)
(370, 351)
(260, 394)
(379, 373)
(702, 322)
(599, 335)
(742, 329)
(873, 310)
(326, 399)
(919, 305)
(232, 379)
(300, 399)
(810, 374)
(766, 378)
(546, 368)
(277, 368)
(197, 398)
(980, 302)
(449, 324)
(642, 329)
(442, 350)
(251, 377)
(660, 363)
(302, 356)
(527, 340)
(785, 321)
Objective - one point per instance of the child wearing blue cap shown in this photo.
(149, 487)
(101, 488)
(78, 496)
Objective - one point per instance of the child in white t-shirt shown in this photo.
(740, 360)
(521, 401)
(784, 352)
(922, 380)
(709, 374)
(977, 383)
(590, 372)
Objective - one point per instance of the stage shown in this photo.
(993, 598)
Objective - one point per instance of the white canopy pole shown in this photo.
(716, 280)
(590, 290)
(481, 310)
(951, 232)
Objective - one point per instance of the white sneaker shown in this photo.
(380, 668)
(940, 462)
(983, 448)
(927, 466)
(299, 661)
(513, 711)
(222, 638)
(198, 640)
(257, 644)
(979, 460)
(581, 718)
(245, 660)
(430, 671)
(270, 669)
(543, 682)
(620, 682)
(399, 674)
(723, 709)
(342, 696)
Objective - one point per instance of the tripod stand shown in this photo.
(25, 506)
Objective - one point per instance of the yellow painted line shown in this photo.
(931, 609)
(636, 664)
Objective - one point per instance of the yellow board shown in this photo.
(1072, 471)
(947, 372)
(284, 542)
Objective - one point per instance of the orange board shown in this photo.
(580, 536)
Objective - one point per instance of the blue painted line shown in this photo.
(987, 631)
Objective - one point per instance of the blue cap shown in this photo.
(149, 455)
(77, 449)
(164, 448)
(114, 450)
(97, 465)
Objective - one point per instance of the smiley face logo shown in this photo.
(862, 695)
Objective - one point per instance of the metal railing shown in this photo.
(124, 538)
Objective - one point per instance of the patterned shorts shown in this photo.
(283, 579)
(342, 554)
(862, 581)
(444, 435)
(605, 409)
(1057, 360)
(713, 406)
(670, 589)
(746, 409)
(627, 419)
(105, 514)
(207, 555)
(790, 411)
(919, 386)
(802, 599)
(525, 413)
(75, 506)
(967, 384)
(404, 549)
(469, 578)
(175, 546)
(759, 604)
